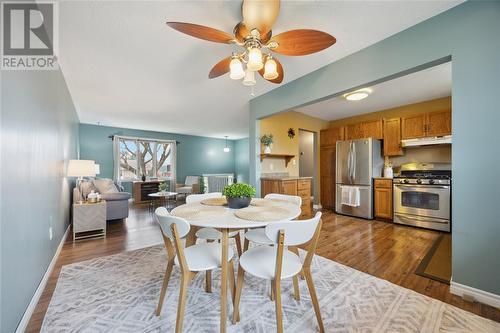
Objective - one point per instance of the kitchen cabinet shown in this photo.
(383, 198)
(366, 129)
(373, 129)
(328, 141)
(392, 137)
(413, 127)
(427, 124)
(327, 176)
(330, 136)
(354, 131)
(439, 123)
(290, 186)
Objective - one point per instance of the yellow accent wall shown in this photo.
(278, 125)
(439, 104)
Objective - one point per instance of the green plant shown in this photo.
(239, 190)
(267, 139)
(162, 187)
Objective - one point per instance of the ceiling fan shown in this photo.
(254, 36)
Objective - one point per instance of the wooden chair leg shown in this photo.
(232, 282)
(237, 296)
(164, 287)
(272, 291)
(279, 314)
(237, 238)
(191, 236)
(314, 299)
(296, 290)
(182, 302)
(246, 243)
(296, 251)
(208, 281)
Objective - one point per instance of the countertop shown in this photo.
(382, 178)
(284, 178)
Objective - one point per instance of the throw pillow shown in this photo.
(87, 186)
(105, 185)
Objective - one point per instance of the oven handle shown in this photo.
(422, 186)
(427, 219)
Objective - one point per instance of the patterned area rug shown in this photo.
(119, 293)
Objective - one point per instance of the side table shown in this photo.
(89, 217)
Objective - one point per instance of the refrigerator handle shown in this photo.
(353, 177)
(349, 161)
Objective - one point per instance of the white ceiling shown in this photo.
(432, 83)
(124, 67)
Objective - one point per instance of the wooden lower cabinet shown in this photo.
(300, 187)
(383, 198)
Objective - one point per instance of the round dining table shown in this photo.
(225, 223)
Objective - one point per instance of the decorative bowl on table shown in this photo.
(238, 195)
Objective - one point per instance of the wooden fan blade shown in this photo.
(202, 32)
(241, 32)
(302, 42)
(279, 68)
(260, 14)
(220, 68)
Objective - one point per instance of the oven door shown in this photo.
(422, 200)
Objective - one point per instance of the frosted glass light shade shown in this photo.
(255, 59)
(227, 150)
(236, 69)
(249, 79)
(270, 69)
(81, 168)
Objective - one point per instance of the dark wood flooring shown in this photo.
(385, 250)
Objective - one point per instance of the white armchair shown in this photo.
(191, 186)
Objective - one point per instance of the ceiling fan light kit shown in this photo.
(254, 35)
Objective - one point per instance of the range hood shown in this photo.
(436, 140)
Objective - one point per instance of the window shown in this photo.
(135, 157)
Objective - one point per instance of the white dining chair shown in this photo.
(258, 235)
(276, 263)
(212, 234)
(191, 260)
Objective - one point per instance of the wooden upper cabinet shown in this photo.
(373, 129)
(330, 136)
(413, 127)
(392, 137)
(354, 131)
(439, 123)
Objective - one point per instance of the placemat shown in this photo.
(215, 201)
(197, 212)
(258, 202)
(263, 214)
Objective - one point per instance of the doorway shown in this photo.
(308, 157)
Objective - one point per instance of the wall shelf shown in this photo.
(287, 157)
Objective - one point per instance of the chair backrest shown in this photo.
(295, 233)
(199, 197)
(166, 220)
(191, 180)
(161, 211)
(296, 200)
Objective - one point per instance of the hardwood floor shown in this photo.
(382, 249)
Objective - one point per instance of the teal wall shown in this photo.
(241, 162)
(39, 134)
(195, 154)
(468, 34)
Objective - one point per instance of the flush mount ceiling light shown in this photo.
(226, 148)
(358, 94)
(253, 36)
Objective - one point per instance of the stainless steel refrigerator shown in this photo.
(358, 162)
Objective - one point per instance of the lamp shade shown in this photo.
(81, 168)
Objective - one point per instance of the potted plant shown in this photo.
(267, 140)
(238, 195)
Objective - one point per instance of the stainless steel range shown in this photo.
(422, 196)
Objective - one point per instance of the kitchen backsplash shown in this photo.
(438, 153)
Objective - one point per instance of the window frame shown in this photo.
(154, 148)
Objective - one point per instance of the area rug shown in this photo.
(436, 264)
(119, 293)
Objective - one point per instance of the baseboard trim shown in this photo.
(478, 295)
(41, 286)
